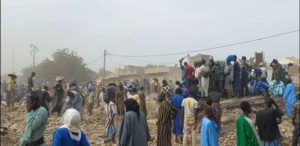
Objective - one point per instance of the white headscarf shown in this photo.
(71, 120)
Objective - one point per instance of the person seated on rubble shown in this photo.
(259, 87)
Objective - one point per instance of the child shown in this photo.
(110, 129)
(214, 102)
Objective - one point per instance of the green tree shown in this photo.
(66, 63)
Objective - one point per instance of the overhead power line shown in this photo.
(92, 62)
(212, 48)
(142, 61)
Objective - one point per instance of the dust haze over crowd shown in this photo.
(142, 28)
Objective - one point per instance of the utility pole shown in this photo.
(105, 53)
(33, 51)
(13, 60)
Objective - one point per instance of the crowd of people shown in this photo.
(198, 93)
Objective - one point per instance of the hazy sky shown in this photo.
(136, 27)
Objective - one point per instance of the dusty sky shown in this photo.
(136, 27)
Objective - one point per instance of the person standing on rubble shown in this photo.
(204, 80)
(30, 82)
(245, 129)
(278, 71)
(135, 96)
(58, 96)
(35, 121)
(289, 97)
(211, 64)
(110, 126)
(91, 98)
(244, 77)
(11, 90)
(120, 100)
(264, 71)
(236, 85)
(209, 129)
(228, 75)
(164, 121)
(120, 109)
(217, 77)
(189, 118)
(134, 129)
(142, 96)
(267, 121)
(176, 102)
(166, 89)
(74, 99)
(190, 71)
(183, 71)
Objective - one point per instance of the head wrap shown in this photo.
(132, 105)
(229, 58)
(71, 120)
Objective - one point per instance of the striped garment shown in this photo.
(164, 124)
(36, 123)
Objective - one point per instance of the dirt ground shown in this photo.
(94, 126)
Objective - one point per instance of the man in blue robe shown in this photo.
(236, 77)
(176, 102)
(289, 97)
(209, 129)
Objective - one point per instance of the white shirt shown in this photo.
(263, 72)
(189, 104)
(197, 71)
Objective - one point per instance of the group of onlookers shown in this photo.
(198, 93)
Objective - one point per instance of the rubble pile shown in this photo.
(12, 125)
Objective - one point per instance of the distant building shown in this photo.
(290, 60)
(132, 73)
(198, 58)
(259, 57)
(168, 73)
(129, 72)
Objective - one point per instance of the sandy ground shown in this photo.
(94, 126)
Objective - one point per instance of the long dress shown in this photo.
(209, 133)
(228, 71)
(290, 98)
(236, 79)
(176, 102)
(74, 102)
(246, 132)
(57, 103)
(204, 83)
(134, 131)
(120, 102)
(143, 107)
(164, 124)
